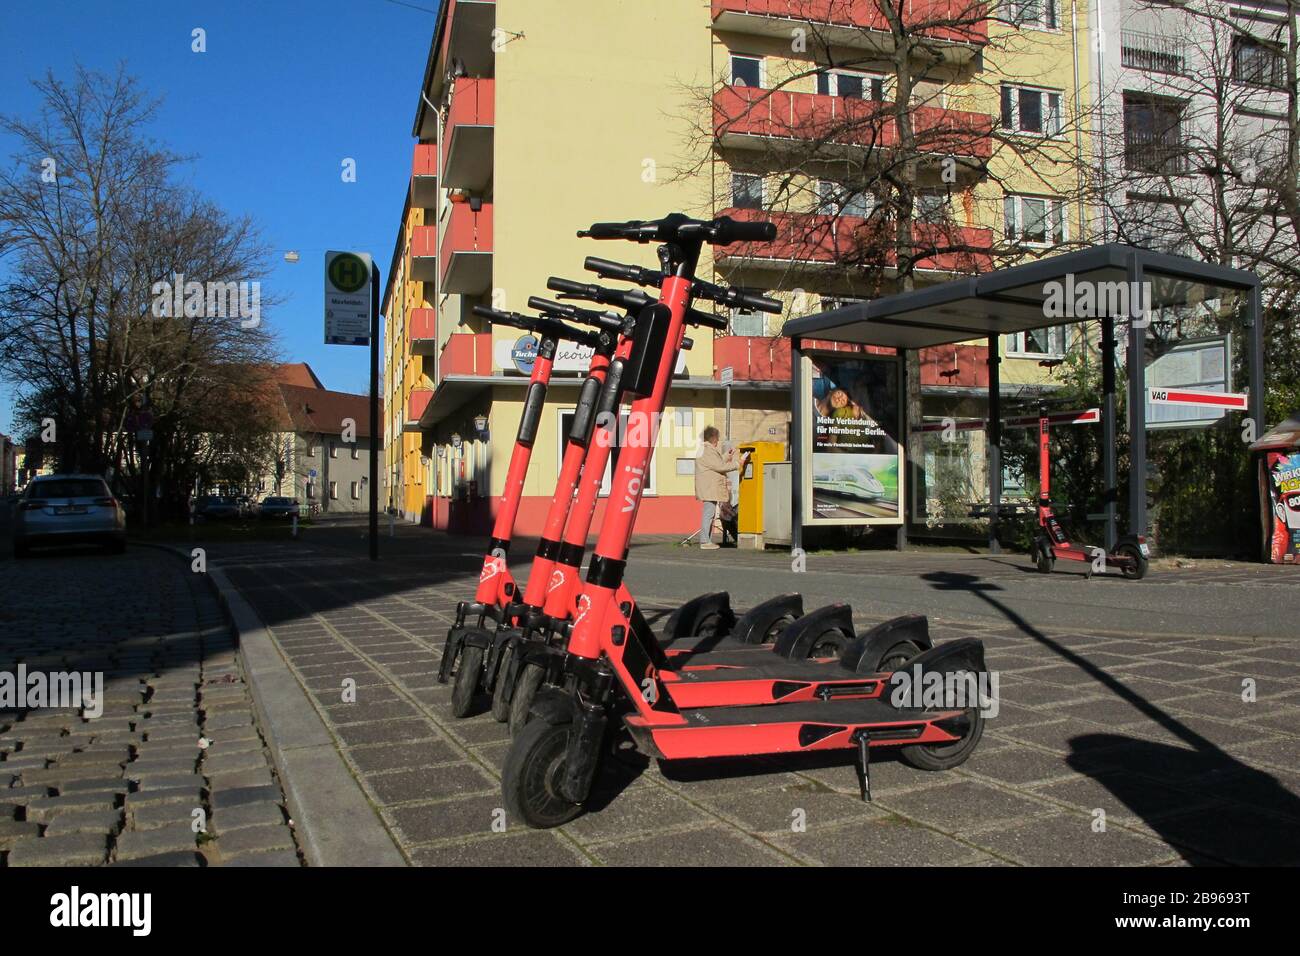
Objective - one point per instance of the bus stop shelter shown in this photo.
(1011, 300)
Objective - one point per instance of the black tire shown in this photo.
(777, 629)
(945, 756)
(1043, 559)
(500, 706)
(529, 778)
(469, 673)
(707, 626)
(1138, 570)
(897, 657)
(529, 679)
(831, 642)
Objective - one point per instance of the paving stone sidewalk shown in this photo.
(174, 771)
(1109, 749)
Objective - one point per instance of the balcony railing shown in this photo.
(1152, 52)
(417, 402)
(854, 22)
(468, 137)
(424, 176)
(817, 239)
(753, 358)
(466, 251)
(742, 111)
(424, 254)
(422, 331)
(466, 353)
(1156, 158)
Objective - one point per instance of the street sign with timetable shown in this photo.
(347, 298)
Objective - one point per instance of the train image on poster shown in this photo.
(853, 459)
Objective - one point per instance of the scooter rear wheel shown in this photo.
(897, 657)
(830, 643)
(531, 776)
(1043, 558)
(1138, 569)
(469, 672)
(945, 756)
(529, 679)
(500, 706)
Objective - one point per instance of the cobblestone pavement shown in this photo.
(174, 771)
(1110, 747)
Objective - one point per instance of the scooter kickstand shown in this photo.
(864, 763)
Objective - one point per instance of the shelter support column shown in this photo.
(796, 444)
(993, 438)
(1255, 360)
(1137, 410)
(1110, 490)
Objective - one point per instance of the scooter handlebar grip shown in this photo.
(609, 269)
(759, 303)
(728, 230)
(496, 315)
(556, 284)
(696, 317)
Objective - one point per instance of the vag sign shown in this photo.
(524, 353)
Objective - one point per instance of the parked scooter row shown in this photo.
(568, 660)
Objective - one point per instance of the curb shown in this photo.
(333, 819)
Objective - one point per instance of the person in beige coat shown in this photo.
(711, 486)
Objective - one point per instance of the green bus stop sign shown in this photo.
(348, 273)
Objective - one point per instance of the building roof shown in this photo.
(321, 411)
(296, 373)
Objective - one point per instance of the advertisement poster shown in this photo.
(1284, 497)
(853, 432)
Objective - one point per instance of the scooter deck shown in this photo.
(776, 681)
(792, 728)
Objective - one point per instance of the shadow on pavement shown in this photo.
(1130, 768)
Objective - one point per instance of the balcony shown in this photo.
(466, 251)
(416, 403)
(752, 358)
(856, 24)
(424, 254)
(746, 117)
(424, 176)
(468, 37)
(467, 139)
(466, 353)
(1152, 53)
(422, 331)
(812, 240)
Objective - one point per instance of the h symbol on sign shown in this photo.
(349, 272)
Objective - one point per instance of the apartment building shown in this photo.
(1180, 88)
(537, 117)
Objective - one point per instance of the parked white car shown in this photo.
(68, 509)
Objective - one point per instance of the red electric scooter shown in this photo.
(607, 669)
(1131, 553)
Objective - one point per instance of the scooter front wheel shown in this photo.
(500, 706)
(529, 679)
(468, 675)
(1043, 559)
(1136, 567)
(946, 756)
(530, 779)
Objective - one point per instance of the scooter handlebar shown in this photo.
(623, 298)
(608, 269)
(722, 231)
(540, 325)
(601, 320)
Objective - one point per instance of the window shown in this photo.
(355, 452)
(1153, 137)
(1037, 343)
(1257, 64)
(746, 191)
(354, 489)
(1036, 220)
(311, 450)
(311, 489)
(837, 200)
(931, 206)
(1153, 222)
(334, 450)
(748, 323)
(566, 423)
(1035, 14)
(854, 85)
(747, 71)
(1029, 110)
(334, 491)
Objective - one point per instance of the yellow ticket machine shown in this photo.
(749, 517)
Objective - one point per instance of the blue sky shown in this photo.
(285, 92)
